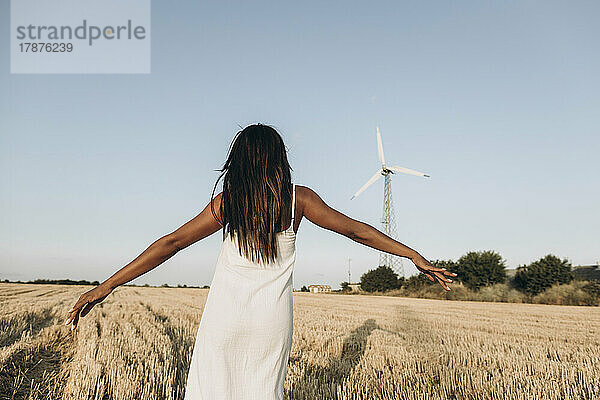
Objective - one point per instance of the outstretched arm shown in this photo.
(321, 214)
(201, 226)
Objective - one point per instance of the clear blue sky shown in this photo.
(498, 101)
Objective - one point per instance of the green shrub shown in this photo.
(501, 292)
(477, 269)
(380, 279)
(542, 274)
(572, 294)
(459, 292)
(592, 288)
(416, 282)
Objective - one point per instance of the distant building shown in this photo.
(319, 288)
(354, 287)
(351, 287)
(588, 272)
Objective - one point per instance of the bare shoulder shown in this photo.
(305, 196)
(308, 200)
(302, 190)
(218, 198)
(321, 214)
(215, 207)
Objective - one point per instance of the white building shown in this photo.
(354, 287)
(319, 288)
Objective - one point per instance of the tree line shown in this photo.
(55, 282)
(96, 283)
(481, 269)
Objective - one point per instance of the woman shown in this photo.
(245, 334)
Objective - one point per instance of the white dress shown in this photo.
(245, 335)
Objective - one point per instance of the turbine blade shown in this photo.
(380, 148)
(369, 183)
(408, 171)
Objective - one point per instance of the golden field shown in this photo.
(138, 343)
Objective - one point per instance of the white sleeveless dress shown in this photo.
(245, 335)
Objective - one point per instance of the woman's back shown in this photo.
(245, 334)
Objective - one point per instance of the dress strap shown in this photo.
(293, 201)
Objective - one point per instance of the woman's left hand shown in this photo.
(86, 302)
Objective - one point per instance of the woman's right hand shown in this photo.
(86, 302)
(432, 272)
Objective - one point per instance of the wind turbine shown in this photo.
(389, 219)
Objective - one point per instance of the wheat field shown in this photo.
(138, 343)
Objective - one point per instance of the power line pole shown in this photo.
(349, 259)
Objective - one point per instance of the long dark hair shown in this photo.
(257, 191)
